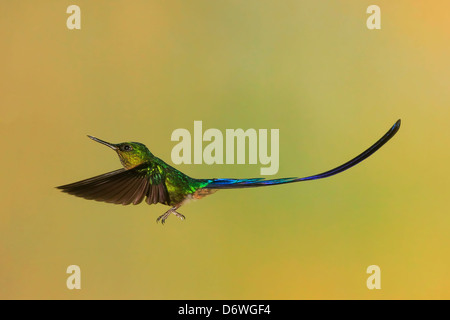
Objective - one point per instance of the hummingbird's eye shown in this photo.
(126, 147)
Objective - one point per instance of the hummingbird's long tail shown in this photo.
(261, 182)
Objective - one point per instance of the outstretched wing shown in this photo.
(123, 186)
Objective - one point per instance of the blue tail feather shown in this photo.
(260, 182)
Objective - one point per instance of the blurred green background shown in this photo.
(137, 70)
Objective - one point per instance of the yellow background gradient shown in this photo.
(137, 70)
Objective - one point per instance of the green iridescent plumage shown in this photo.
(145, 176)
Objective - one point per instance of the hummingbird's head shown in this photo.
(131, 154)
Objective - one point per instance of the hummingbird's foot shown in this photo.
(167, 214)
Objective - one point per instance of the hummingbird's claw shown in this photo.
(167, 214)
(179, 215)
(162, 218)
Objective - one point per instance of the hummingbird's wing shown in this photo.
(123, 186)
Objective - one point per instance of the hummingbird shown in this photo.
(145, 176)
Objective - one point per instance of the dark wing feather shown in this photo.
(122, 187)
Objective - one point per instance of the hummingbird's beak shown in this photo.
(112, 146)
